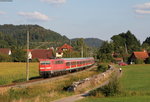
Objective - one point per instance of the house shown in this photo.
(40, 54)
(60, 50)
(118, 60)
(66, 47)
(6, 51)
(139, 55)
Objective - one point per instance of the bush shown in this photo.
(139, 61)
(111, 89)
(102, 67)
(147, 61)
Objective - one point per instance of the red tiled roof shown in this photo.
(118, 59)
(41, 53)
(141, 55)
(66, 46)
(4, 50)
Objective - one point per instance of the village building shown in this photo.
(40, 54)
(118, 60)
(60, 50)
(139, 55)
(6, 51)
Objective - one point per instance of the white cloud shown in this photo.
(2, 12)
(55, 1)
(142, 11)
(143, 6)
(34, 16)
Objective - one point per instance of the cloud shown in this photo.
(34, 16)
(2, 12)
(142, 11)
(142, 8)
(55, 1)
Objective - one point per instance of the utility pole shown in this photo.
(27, 64)
(70, 49)
(82, 51)
(126, 49)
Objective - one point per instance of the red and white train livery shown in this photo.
(48, 67)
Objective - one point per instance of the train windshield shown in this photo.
(45, 62)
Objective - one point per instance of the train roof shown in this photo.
(77, 58)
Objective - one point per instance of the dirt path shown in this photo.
(81, 96)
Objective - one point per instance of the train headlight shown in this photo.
(48, 68)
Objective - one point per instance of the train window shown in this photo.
(78, 62)
(58, 62)
(73, 63)
(68, 64)
(44, 62)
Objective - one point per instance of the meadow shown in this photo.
(135, 85)
(16, 72)
(44, 92)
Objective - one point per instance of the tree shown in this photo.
(105, 52)
(125, 43)
(146, 44)
(18, 55)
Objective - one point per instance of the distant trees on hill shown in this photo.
(12, 35)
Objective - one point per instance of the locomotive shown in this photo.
(50, 67)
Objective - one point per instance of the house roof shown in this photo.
(141, 55)
(4, 50)
(41, 53)
(66, 46)
(118, 59)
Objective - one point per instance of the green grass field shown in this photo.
(135, 82)
(16, 72)
(44, 92)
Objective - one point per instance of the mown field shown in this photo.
(16, 72)
(135, 83)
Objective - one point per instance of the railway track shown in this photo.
(40, 80)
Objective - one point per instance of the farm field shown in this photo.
(16, 72)
(44, 92)
(135, 85)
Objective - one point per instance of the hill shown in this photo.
(12, 35)
(92, 42)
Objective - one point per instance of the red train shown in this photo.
(49, 67)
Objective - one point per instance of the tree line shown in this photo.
(121, 45)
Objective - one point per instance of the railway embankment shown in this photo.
(83, 87)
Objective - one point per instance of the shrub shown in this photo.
(139, 61)
(147, 61)
(102, 67)
(111, 89)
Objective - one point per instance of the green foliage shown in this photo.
(5, 58)
(18, 55)
(81, 47)
(125, 41)
(12, 35)
(139, 61)
(70, 54)
(105, 52)
(147, 41)
(146, 46)
(102, 67)
(147, 61)
(111, 89)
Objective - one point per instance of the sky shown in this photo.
(81, 18)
